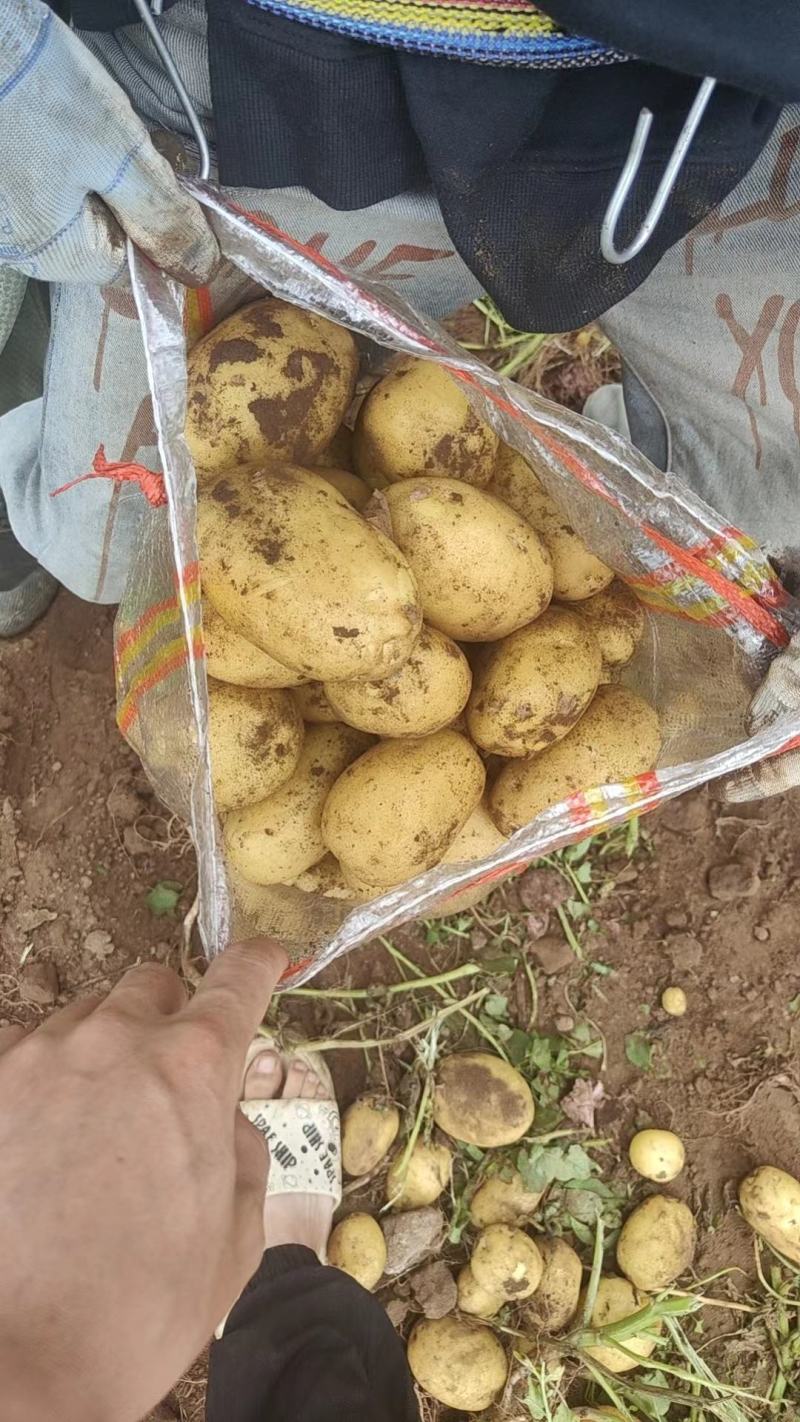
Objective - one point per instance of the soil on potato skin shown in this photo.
(83, 840)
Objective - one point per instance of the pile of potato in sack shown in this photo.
(425, 600)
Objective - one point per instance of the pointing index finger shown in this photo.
(236, 991)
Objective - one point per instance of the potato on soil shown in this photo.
(422, 696)
(618, 737)
(481, 570)
(532, 688)
(473, 1299)
(232, 658)
(657, 1155)
(617, 619)
(417, 420)
(269, 382)
(255, 739)
(349, 485)
(657, 1243)
(555, 1302)
(770, 1201)
(499, 1201)
(422, 1179)
(460, 1364)
(481, 1100)
(313, 704)
(280, 836)
(289, 564)
(617, 1299)
(506, 1261)
(397, 809)
(673, 1001)
(577, 573)
(369, 1130)
(357, 1246)
(339, 453)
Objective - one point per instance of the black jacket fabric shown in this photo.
(523, 161)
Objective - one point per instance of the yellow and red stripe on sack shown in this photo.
(154, 648)
(198, 313)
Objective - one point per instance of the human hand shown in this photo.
(778, 695)
(131, 1188)
(79, 170)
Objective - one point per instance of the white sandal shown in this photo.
(304, 1136)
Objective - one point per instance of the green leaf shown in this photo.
(539, 1165)
(502, 966)
(603, 970)
(541, 1052)
(794, 1005)
(639, 1050)
(517, 1046)
(163, 898)
(495, 1005)
(583, 873)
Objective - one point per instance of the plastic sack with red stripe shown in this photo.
(716, 615)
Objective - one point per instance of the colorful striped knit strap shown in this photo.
(504, 32)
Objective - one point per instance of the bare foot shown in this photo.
(296, 1218)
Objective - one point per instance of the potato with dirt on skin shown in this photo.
(577, 572)
(349, 485)
(555, 1302)
(325, 878)
(417, 420)
(503, 1201)
(617, 619)
(479, 838)
(474, 1299)
(357, 1247)
(657, 1155)
(506, 1261)
(419, 1180)
(481, 1100)
(534, 686)
(339, 453)
(481, 570)
(459, 1363)
(615, 1300)
(770, 1202)
(280, 836)
(313, 704)
(395, 811)
(618, 737)
(288, 563)
(657, 1243)
(255, 740)
(369, 1130)
(269, 382)
(425, 694)
(230, 657)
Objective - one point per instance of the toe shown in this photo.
(295, 1082)
(263, 1079)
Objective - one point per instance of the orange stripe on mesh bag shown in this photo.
(161, 667)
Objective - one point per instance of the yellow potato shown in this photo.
(357, 1246)
(534, 686)
(617, 738)
(269, 382)
(289, 564)
(555, 1302)
(460, 1364)
(657, 1155)
(577, 573)
(475, 1300)
(482, 1100)
(657, 1243)
(280, 836)
(417, 420)
(617, 1299)
(421, 697)
(369, 1130)
(339, 453)
(499, 1201)
(617, 619)
(326, 878)
(506, 1261)
(479, 838)
(673, 1001)
(230, 657)
(770, 1201)
(255, 739)
(313, 704)
(395, 811)
(481, 570)
(349, 485)
(420, 1180)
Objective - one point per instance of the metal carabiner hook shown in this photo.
(630, 171)
(147, 12)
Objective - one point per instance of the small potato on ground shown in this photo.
(459, 1363)
(770, 1202)
(357, 1246)
(555, 1302)
(657, 1243)
(421, 1180)
(424, 695)
(480, 1099)
(657, 1155)
(500, 1201)
(617, 1299)
(255, 740)
(506, 1261)
(474, 1299)
(369, 1130)
(673, 1001)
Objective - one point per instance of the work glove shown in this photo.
(778, 696)
(78, 171)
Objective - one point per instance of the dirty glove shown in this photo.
(778, 695)
(78, 171)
